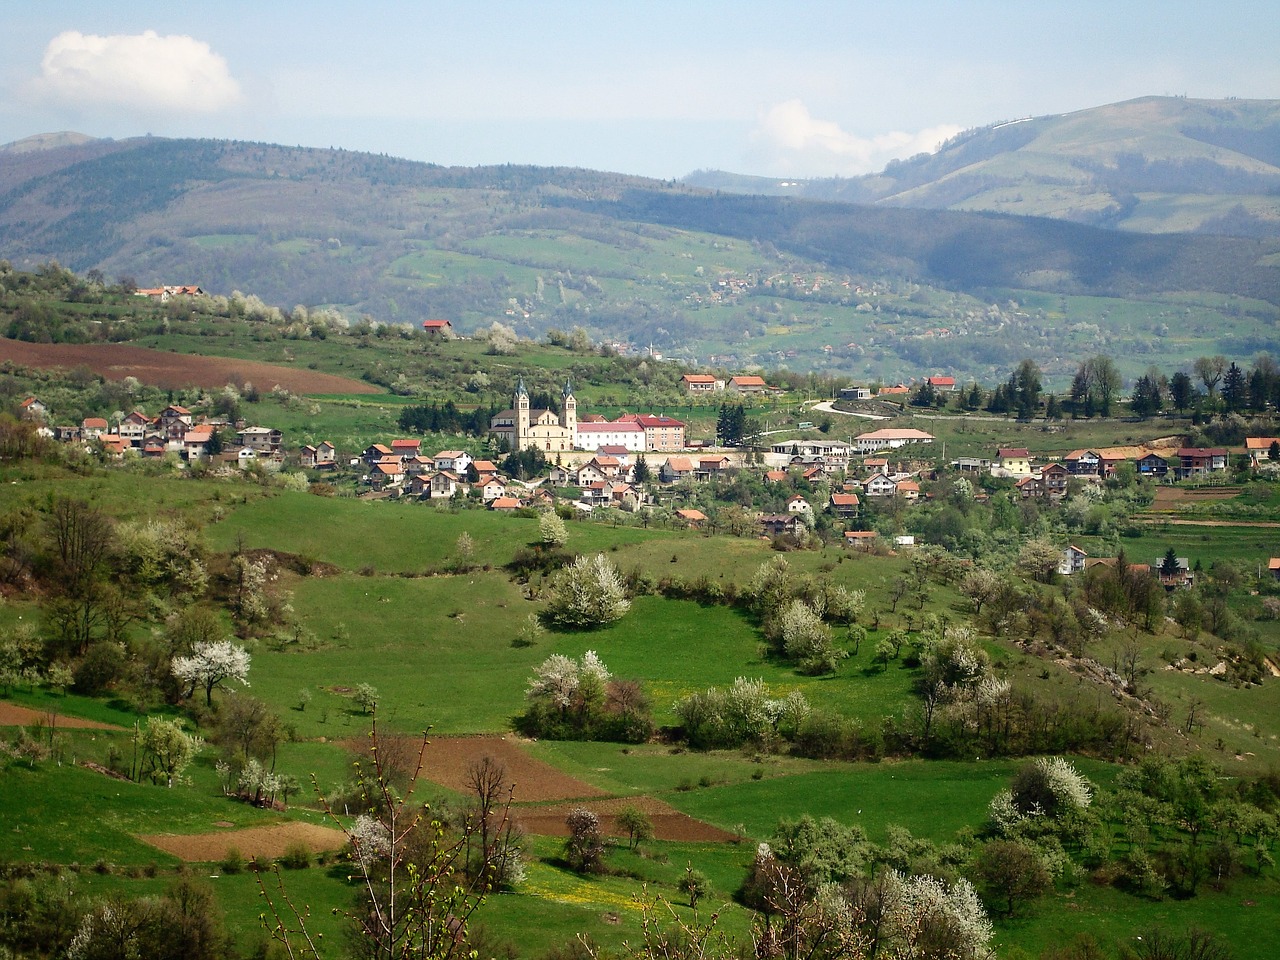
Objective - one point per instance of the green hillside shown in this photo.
(867, 293)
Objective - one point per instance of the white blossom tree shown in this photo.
(587, 593)
(551, 529)
(210, 664)
(168, 748)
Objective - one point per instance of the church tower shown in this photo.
(569, 416)
(522, 417)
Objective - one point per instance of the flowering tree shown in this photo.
(168, 749)
(210, 664)
(588, 593)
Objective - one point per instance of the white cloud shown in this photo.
(790, 141)
(141, 71)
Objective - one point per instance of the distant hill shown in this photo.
(733, 280)
(1155, 165)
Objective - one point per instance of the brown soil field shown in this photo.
(447, 759)
(1171, 498)
(12, 715)
(262, 842)
(668, 823)
(115, 361)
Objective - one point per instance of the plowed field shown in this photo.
(115, 361)
(12, 715)
(262, 842)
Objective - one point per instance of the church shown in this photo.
(523, 429)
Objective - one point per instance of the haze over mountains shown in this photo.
(1157, 165)
(879, 286)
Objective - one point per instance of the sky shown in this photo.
(648, 87)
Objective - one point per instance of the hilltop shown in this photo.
(1151, 165)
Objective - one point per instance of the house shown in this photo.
(375, 452)
(134, 426)
(440, 329)
(386, 473)
(855, 393)
(908, 490)
(114, 446)
(307, 457)
(418, 466)
(173, 423)
(262, 439)
(693, 519)
(775, 476)
(1259, 449)
(1273, 567)
(404, 449)
(1011, 462)
(1029, 488)
(1073, 561)
(844, 505)
(1153, 465)
(798, 504)
(590, 473)
(93, 427)
(711, 467)
(775, 525)
(890, 438)
(879, 485)
(492, 489)
(32, 409)
(1181, 576)
(505, 504)
(860, 539)
(326, 454)
(1201, 461)
(675, 469)
(1084, 463)
(561, 476)
(700, 383)
(453, 461)
(947, 384)
(1053, 481)
(972, 465)
(196, 442)
(442, 484)
(747, 384)
(897, 390)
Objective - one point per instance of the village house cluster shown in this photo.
(174, 430)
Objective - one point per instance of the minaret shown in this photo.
(522, 417)
(569, 416)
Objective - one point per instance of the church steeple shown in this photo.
(569, 416)
(521, 438)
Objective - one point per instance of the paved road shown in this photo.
(826, 407)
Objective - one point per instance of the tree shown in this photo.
(1181, 391)
(366, 697)
(210, 664)
(1149, 389)
(1013, 871)
(1023, 389)
(499, 851)
(807, 640)
(695, 885)
(637, 824)
(464, 552)
(587, 593)
(640, 472)
(1210, 370)
(1235, 389)
(980, 585)
(167, 749)
(416, 894)
(1169, 564)
(247, 728)
(584, 849)
(1095, 386)
(551, 529)
(1039, 559)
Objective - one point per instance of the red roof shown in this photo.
(405, 444)
(436, 324)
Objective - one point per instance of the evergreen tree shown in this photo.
(1235, 392)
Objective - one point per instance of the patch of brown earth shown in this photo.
(173, 371)
(265, 843)
(668, 823)
(12, 715)
(447, 760)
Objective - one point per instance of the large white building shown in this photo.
(526, 429)
(594, 435)
(890, 438)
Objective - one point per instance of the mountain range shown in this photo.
(877, 288)
(1154, 165)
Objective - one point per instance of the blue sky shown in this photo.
(654, 88)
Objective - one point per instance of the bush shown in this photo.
(232, 862)
(297, 856)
